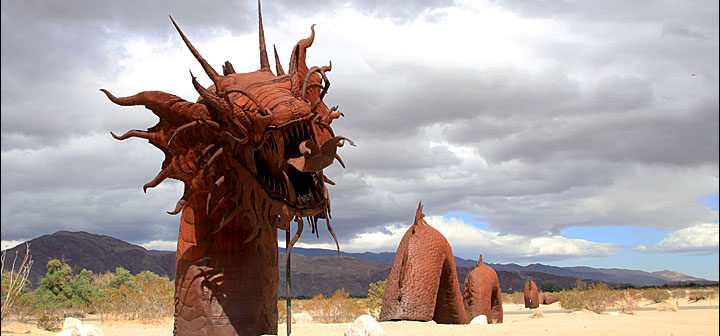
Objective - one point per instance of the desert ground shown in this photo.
(693, 318)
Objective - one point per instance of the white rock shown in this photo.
(480, 319)
(300, 318)
(71, 322)
(68, 332)
(90, 330)
(364, 325)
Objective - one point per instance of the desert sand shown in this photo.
(691, 319)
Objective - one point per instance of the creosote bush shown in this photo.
(595, 297)
(656, 295)
(336, 308)
(701, 294)
(628, 301)
(375, 297)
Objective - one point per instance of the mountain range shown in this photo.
(314, 271)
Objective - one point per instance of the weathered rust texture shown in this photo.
(546, 298)
(251, 153)
(423, 283)
(481, 294)
(532, 299)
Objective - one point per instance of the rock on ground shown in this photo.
(364, 325)
(480, 319)
(301, 318)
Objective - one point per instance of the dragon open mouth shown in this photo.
(290, 168)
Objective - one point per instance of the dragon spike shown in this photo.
(178, 207)
(165, 173)
(298, 53)
(213, 100)
(132, 133)
(278, 66)
(228, 68)
(264, 63)
(332, 232)
(208, 69)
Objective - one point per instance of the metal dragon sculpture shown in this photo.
(423, 283)
(251, 153)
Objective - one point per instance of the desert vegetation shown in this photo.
(60, 293)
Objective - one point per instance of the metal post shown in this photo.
(288, 311)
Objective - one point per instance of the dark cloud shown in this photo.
(603, 126)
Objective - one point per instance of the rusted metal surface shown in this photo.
(530, 294)
(251, 153)
(423, 283)
(481, 293)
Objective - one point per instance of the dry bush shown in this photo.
(336, 308)
(594, 297)
(14, 279)
(701, 294)
(151, 301)
(375, 297)
(572, 300)
(49, 322)
(678, 293)
(598, 297)
(282, 311)
(515, 297)
(628, 301)
(656, 295)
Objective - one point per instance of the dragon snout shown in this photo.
(316, 158)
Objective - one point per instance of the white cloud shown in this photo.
(697, 239)
(160, 245)
(8, 244)
(468, 241)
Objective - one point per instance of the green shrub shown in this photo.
(375, 296)
(551, 286)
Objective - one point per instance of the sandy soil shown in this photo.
(688, 321)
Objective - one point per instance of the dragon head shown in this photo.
(254, 144)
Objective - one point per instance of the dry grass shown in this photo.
(337, 308)
(515, 297)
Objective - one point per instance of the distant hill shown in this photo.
(97, 253)
(314, 271)
(608, 275)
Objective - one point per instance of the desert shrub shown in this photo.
(375, 296)
(82, 289)
(150, 298)
(595, 297)
(628, 301)
(551, 286)
(572, 300)
(515, 297)
(678, 293)
(49, 322)
(56, 286)
(656, 295)
(14, 279)
(122, 277)
(282, 311)
(701, 294)
(336, 308)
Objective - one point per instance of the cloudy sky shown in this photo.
(559, 132)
